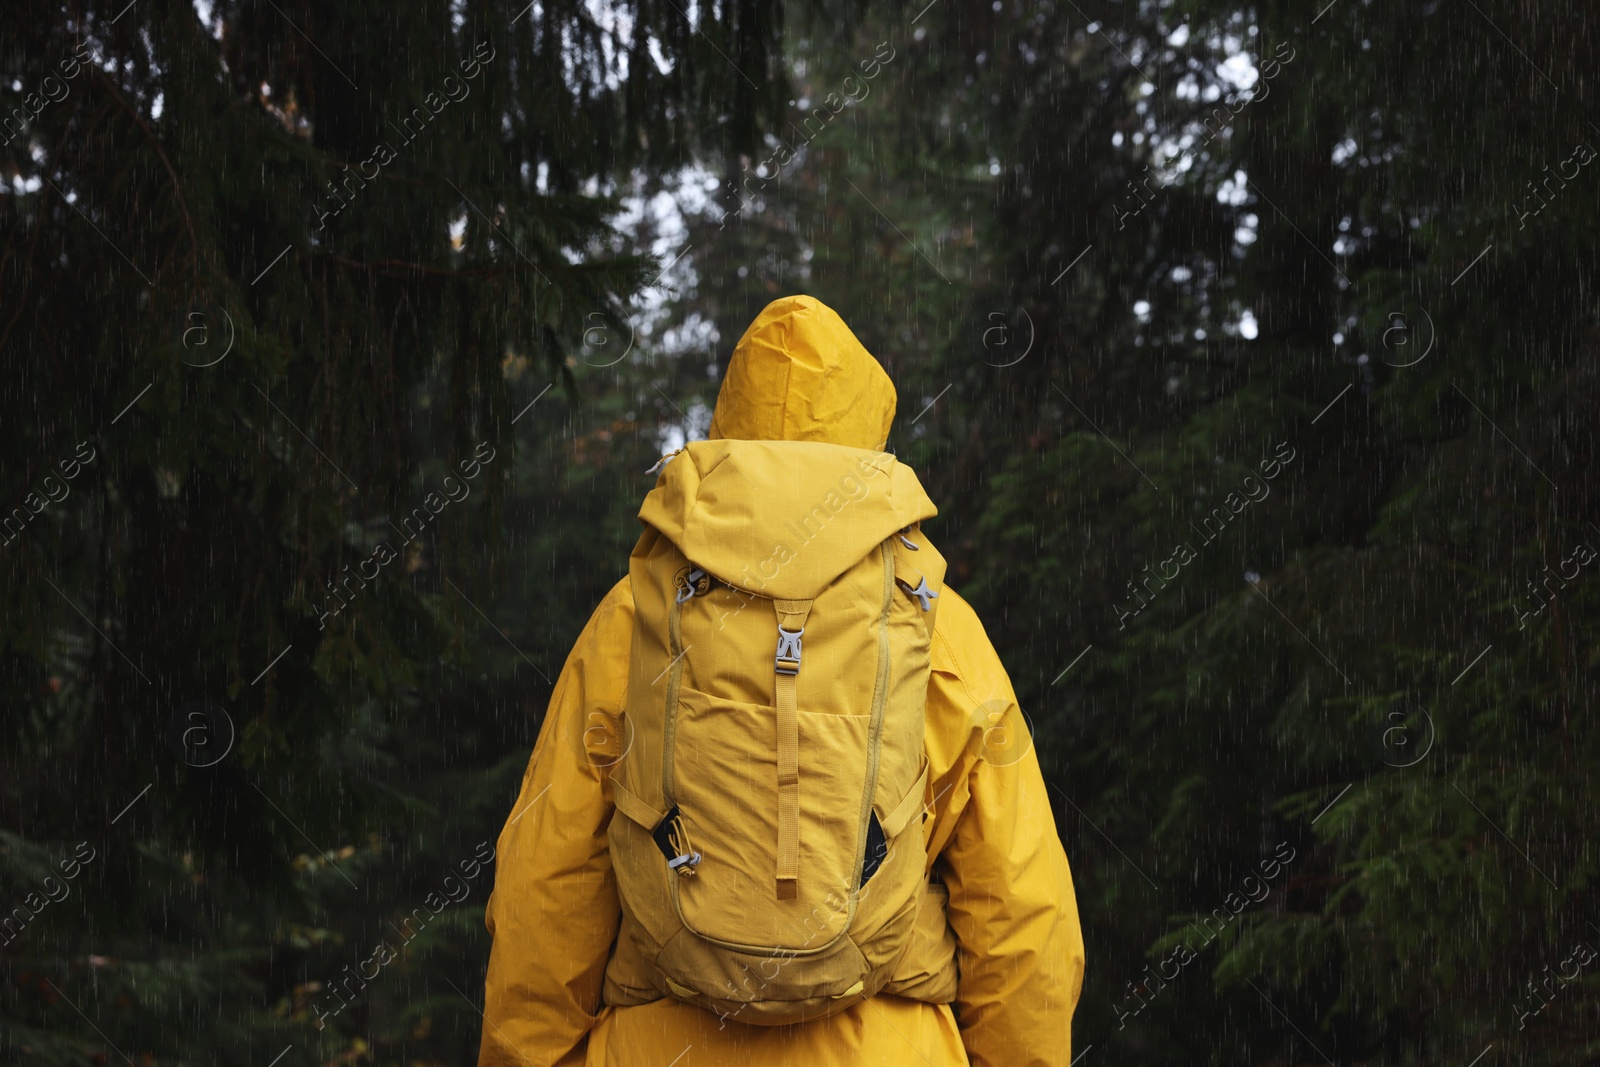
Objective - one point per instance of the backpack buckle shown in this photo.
(696, 582)
(924, 595)
(787, 659)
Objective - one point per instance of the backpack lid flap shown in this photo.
(782, 518)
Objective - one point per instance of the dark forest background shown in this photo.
(1248, 350)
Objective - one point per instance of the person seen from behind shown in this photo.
(783, 809)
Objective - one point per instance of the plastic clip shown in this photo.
(787, 659)
(923, 594)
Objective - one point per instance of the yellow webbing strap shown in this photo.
(630, 805)
(788, 789)
(909, 805)
(791, 624)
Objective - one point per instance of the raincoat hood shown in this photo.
(791, 489)
(799, 374)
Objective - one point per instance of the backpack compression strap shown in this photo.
(786, 666)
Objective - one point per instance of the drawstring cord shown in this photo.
(678, 837)
(657, 465)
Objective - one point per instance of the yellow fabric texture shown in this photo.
(757, 518)
(797, 374)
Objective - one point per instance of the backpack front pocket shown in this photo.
(725, 786)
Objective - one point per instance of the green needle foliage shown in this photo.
(1258, 422)
(279, 279)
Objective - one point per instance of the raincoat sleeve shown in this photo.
(1011, 905)
(554, 912)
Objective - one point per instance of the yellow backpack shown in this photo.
(768, 848)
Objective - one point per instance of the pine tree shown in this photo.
(282, 281)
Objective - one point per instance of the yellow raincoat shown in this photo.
(797, 374)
